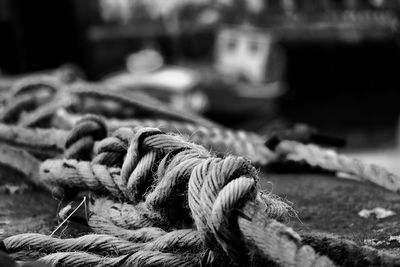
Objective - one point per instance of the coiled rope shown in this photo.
(161, 199)
(216, 188)
(171, 194)
(43, 96)
(48, 97)
(47, 143)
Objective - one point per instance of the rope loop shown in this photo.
(80, 142)
(46, 84)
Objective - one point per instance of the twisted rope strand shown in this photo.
(103, 225)
(100, 244)
(220, 192)
(330, 160)
(347, 253)
(188, 185)
(219, 139)
(160, 109)
(32, 85)
(43, 112)
(43, 142)
(141, 258)
(22, 162)
(82, 174)
(37, 141)
(185, 240)
(128, 216)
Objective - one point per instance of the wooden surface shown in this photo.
(323, 203)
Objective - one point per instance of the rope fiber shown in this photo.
(164, 193)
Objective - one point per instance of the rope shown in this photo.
(347, 253)
(219, 139)
(140, 258)
(80, 142)
(48, 143)
(186, 162)
(172, 186)
(216, 187)
(103, 225)
(22, 162)
(85, 89)
(40, 142)
(330, 160)
(161, 199)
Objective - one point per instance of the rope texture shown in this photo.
(189, 188)
(161, 199)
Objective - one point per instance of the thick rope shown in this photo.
(29, 94)
(100, 244)
(330, 160)
(48, 143)
(167, 186)
(31, 85)
(185, 240)
(160, 109)
(103, 225)
(229, 213)
(21, 161)
(140, 258)
(226, 182)
(219, 139)
(81, 141)
(347, 253)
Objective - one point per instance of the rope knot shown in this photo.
(218, 188)
(80, 142)
(111, 150)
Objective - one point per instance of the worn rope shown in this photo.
(103, 225)
(85, 89)
(28, 95)
(141, 258)
(168, 200)
(47, 143)
(175, 241)
(347, 253)
(212, 181)
(173, 183)
(331, 160)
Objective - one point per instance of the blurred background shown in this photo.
(252, 64)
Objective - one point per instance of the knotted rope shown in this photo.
(172, 194)
(223, 199)
(46, 143)
(160, 198)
